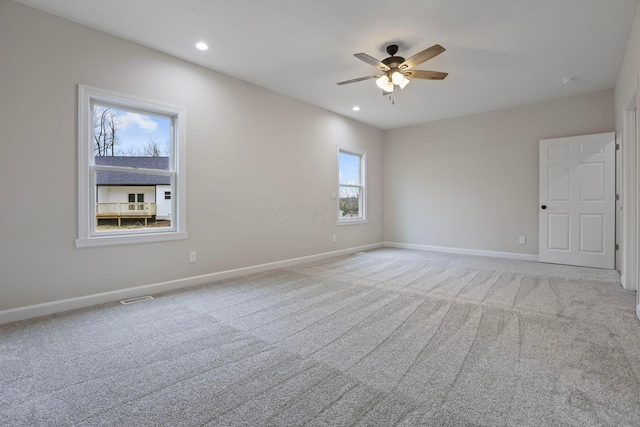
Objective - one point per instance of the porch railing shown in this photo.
(125, 209)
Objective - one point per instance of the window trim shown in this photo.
(363, 184)
(86, 210)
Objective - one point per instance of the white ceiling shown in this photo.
(500, 53)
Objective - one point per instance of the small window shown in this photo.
(351, 186)
(167, 195)
(127, 146)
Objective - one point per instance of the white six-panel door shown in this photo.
(577, 200)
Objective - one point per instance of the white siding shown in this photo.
(103, 194)
(113, 194)
(163, 206)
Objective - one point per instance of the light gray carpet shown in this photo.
(385, 338)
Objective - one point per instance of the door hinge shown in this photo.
(617, 247)
(617, 146)
(617, 197)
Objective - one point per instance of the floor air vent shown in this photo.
(135, 300)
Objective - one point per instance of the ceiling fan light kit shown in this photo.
(385, 83)
(395, 69)
(397, 77)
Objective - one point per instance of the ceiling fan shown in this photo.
(396, 70)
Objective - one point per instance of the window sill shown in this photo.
(130, 239)
(351, 221)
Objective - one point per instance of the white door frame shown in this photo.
(630, 161)
(577, 200)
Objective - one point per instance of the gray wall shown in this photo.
(472, 182)
(248, 151)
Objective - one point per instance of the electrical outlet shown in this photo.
(192, 257)
(379, 232)
(522, 240)
(334, 238)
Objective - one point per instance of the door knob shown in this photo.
(544, 206)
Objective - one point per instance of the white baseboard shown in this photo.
(638, 311)
(509, 255)
(44, 309)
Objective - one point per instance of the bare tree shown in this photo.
(131, 151)
(152, 148)
(113, 131)
(99, 131)
(105, 131)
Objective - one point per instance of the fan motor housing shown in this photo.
(393, 61)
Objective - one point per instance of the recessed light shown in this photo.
(356, 108)
(202, 46)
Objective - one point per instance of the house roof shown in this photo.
(125, 178)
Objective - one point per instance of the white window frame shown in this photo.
(87, 234)
(363, 185)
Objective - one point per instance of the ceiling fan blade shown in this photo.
(422, 74)
(421, 57)
(360, 79)
(371, 61)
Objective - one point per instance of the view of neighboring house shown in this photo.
(133, 195)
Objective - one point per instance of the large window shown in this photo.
(131, 154)
(351, 185)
